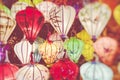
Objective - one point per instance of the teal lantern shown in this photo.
(73, 48)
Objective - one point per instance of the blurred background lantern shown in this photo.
(49, 52)
(23, 51)
(94, 17)
(96, 71)
(105, 48)
(30, 21)
(33, 72)
(116, 14)
(62, 19)
(45, 8)
(73, 47)
(8, 71)
(64, 69)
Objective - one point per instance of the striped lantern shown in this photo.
(7, 71)
(23, 50)
(96, 71)
(33, 72)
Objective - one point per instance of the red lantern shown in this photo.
(64, 69)
(30, 21)
(7, 71)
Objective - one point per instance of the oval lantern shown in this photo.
(49, 52)
(105, 48)
(94, 17)
(116, 14)
(8, 71)
(62, 19)
(74, 48)
(23, 50)
(45, 8)
(33, 72)
(64, 69)
(7, 25)
(30, 21)
(95, 71)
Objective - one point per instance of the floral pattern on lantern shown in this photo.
(33, 72)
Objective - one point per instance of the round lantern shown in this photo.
(23, 50)
(45, 8)
(74, 48)
(8, 71)
(30, 21)
(49, 52)
(64, 69)
(62, 19)
(94, 17)
(33, 72)
(96, 71)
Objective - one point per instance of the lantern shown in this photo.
(49, 52)
(105, 48)
(8, 71)
(96, 71)
(74, 48)
(64, 69)
(7, 25)
(62, 19)
(30, 21)
(18, 6)
(45, 8)
(33, 72)
(94, 17)
(116, 14)
(23, 50)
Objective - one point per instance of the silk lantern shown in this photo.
(23, 51)
(45, 8)
(64, 69)
(30, 21)
(96, 71)
(105, 48)
(8, 71)
(33, 72)
(94, 17)
(116, 14)
(74, 48)
(62, 19)
(49, 52)
(7, 25)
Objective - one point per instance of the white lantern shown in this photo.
(33, 72)
(94, 17)
(96, 71)
(62, 19)
(23, 50)
(45, 8)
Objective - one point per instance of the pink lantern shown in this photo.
(7, 71)
(30, 21)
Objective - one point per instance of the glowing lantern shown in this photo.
(33, 72)
(94, 17)
(62, 19)
(74, 48)
(106, 48)
(23, 50)
(45, 8)
(49, 52)
(96, 71)
(7, 71)
(64, 69)
(7, 25)
(18, 6)
(30, 21)
(116, 14)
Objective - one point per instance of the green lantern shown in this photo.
(74, 48)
